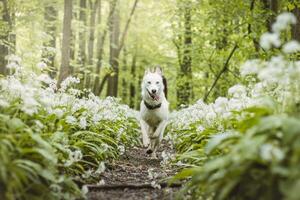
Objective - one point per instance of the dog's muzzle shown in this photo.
(153, 96)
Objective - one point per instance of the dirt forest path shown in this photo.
(136, 176)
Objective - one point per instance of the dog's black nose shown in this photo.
(153, 91)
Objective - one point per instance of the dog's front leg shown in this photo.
(160, 129)
(144, 129)
(157, 137)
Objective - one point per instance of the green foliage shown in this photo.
(49, 145)
(253, 151)
(262, 165)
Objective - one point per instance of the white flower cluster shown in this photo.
(36, 94)
(74, 156)
(14, 61)
(283, 21)
(269, 152)
(214, 113)
(68, 82)
(277, 78)
(269, 40)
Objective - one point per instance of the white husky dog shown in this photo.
(154, 110)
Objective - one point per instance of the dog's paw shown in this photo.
(153, 155)
(146, 144)
(149, 151)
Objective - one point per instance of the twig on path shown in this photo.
(131, 186)
(224, 69)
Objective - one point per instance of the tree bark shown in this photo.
(74, 37)
(124, 83)
(65, 57)
(82, 33)
(93, 9)
(4, 37)
(112, 86)
(296, 27)
(50, 16)
(271, 5)
(254, 40)
(81, 59)
(184, 77)
(114, 33)
(100, 48)
(132, 87)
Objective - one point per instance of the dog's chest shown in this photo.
(153, 118)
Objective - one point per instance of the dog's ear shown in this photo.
(158, 70)
(147, 71)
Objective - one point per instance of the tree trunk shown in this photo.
(184, 77)
(82, 40)
(65, 57)
(296, 27)
(114, 33)
(254, 39)
(140, 79)
(124, 84)
(100, 48)
(132, 87)
(271, 5)
(12, 35)
(73, 40)
(50, 15)
(93, 8)
(4, 37)
(132, 90)
(99, 52)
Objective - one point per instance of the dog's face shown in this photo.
(153, 84)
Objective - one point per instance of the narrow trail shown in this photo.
(136, 176)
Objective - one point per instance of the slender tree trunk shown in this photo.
(132, 87)
(124, 83)
(74, 37)
(112, 86)
(140, 78)
(12, 35)
(184, 77)
(4, 37)
(254, 39)
(66, 41)
(271, 5)
(82, 39)
(48, 56)
(100, 50)
(296, 27)
(114, 33)
(82, 33)
(93, 8)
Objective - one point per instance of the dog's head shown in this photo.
(152, 85)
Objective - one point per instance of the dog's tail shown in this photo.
(165, 86)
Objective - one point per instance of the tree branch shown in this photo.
(127, 26)
(102, 84)
(224, 69)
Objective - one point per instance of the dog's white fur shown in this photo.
(153, 121)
